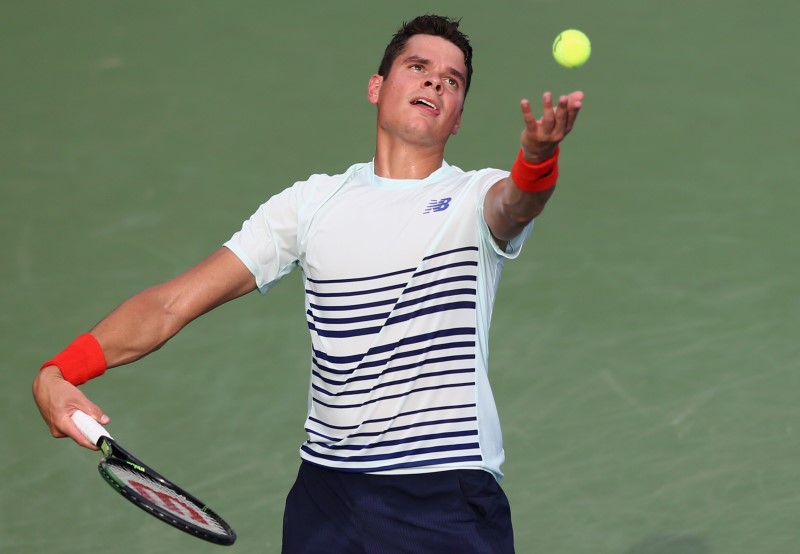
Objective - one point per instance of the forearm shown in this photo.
(516, 200)
(512, 203)
(512, 209)
(148, 320)
(139, 326)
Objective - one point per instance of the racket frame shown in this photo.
(115, 455)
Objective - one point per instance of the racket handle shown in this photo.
(92, 430)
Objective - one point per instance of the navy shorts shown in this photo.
(447, 512)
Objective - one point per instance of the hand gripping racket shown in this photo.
(149, 490)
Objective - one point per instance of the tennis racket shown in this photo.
(150, 491)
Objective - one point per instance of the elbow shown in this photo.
(520, 215)
(508, 210)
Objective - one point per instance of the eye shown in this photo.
(452, 82)
(415, 67)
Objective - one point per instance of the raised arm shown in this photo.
(507, 207)
(139, 326)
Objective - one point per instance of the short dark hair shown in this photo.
(436, 25)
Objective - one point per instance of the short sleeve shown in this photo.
(267, 242)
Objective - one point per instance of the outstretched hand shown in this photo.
(540, 137)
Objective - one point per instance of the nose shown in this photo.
(432, 82)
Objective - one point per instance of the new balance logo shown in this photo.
(437, 205)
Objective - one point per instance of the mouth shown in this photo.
(426, 104)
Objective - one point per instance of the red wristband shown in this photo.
(82, 360)
(535, 177)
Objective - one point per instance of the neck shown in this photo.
(398, 159)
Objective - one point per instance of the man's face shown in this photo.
(422, 97)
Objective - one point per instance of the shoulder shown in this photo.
(323, 180)
(480, 179)
(321, 185)
(456, 172)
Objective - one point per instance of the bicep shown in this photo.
(219, 278)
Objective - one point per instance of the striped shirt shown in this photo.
(400, 278)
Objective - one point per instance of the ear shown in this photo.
(373, 89)
(457, 126)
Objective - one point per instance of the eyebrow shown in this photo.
(425, 61)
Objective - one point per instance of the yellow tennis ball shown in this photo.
(572, 48)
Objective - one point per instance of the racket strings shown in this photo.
(166, 498)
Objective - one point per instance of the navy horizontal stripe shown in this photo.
(444, 281)
(392, 320)
(393, 273)
(355, 292)
(440, 333)
(344, 334)
(395, 356)
(392, 455)
(395, 442)
(329, 426)
(393, 429)
(401, 414)
(326, 437)
(443, 267)
(405, 465)
(392, 383)
(434, 296)
(357, 279)
(453, 251)
(347, 320)
(421, 411)
(366, 305)
(392, 396)
(395, 369)
(372, 317)
(431, 310)
(415, 288)
(422, 286)
(413, 426)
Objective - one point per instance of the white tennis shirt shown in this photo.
(400, 279)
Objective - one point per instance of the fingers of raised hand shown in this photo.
(527, 114)
(556, 121)
(561, 117)
(554, 118)
(574, 103)
(548, 115)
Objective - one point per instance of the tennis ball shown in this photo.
(572, 48)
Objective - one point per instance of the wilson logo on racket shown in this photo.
(174, 505)
(151, 492)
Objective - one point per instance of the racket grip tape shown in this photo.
(92, 430)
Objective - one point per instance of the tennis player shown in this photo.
(401, 257)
